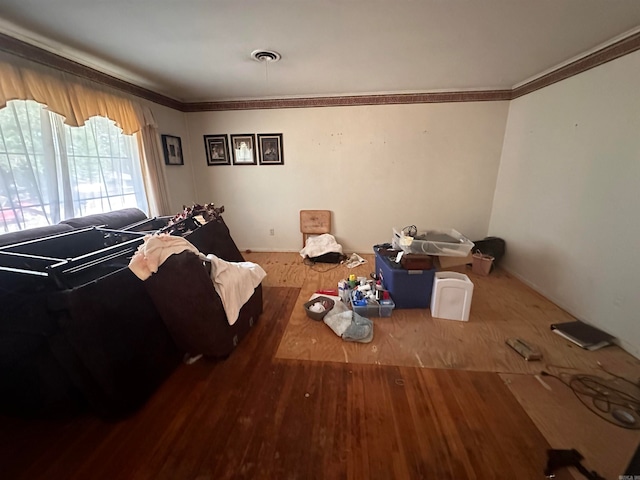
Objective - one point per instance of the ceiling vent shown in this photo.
(265, 56)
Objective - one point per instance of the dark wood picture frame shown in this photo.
(217, 150)
(271, 149)
(172, 148)
(243, 147)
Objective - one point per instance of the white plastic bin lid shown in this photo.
(452, 275)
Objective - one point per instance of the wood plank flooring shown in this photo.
(567, 423)
(295, 401)
(257, 417)
(502, 307)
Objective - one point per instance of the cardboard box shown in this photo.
(454, 263)
(413, 261)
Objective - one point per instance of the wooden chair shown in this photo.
(314, 222)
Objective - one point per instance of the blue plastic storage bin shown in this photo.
(408, 288)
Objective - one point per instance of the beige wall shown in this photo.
(179, 178)
(566, 199)
(374, 167)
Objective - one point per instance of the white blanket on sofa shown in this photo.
(154, 251)
(235, 283)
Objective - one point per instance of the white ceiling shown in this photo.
(199, 50)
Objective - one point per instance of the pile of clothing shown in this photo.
(345, 323)
(323, 249)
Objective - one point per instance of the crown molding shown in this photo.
(606, 54)
(38, 55)
(616, 50)
(353, 100)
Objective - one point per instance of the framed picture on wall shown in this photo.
(270, 146)
(172, 147)
(244, 149)
(217, 149)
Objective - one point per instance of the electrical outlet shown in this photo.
(272, 232)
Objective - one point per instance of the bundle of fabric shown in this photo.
(348, 325)
(234, 282)
(323, 248)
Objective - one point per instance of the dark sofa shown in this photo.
(113, 220)
(95, 335)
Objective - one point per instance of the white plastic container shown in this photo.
(446, 243)
(451, 296)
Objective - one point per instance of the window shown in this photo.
(50, 171)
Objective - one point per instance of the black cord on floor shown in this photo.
(605, 399)
(311, 264)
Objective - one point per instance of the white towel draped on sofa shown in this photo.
(154, 251)
(234, 282)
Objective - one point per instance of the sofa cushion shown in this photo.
(114, 220)
(32, 233)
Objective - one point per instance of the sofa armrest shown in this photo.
(214, 237)
(187, 301)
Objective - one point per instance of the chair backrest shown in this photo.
(314, 222)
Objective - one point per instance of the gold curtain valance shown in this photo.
(74, 98)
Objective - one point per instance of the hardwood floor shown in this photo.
(502, 307)
(254, 416)
(346, 412)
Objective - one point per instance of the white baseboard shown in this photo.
(626, 346)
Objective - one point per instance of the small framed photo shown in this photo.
(172, 147)
(270, 145)
(244, 149)
(217, 149)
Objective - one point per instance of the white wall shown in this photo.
(374, 167)
(567, 198)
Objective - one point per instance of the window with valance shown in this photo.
(69, 147)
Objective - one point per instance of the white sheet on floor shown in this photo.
(235, 283)
(316, 246)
